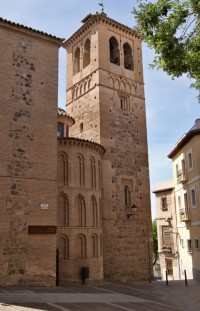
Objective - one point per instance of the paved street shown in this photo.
(137, 296)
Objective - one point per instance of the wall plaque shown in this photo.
(42, 229)
(44, 206)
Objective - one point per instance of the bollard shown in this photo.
(166, 277)
(185, 277)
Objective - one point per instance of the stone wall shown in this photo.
(79, 210)
(28, 171)
(112, 113)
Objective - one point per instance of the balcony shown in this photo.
(184, 216)
(167, 249)
(181, 176)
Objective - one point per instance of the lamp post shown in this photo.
(133, 210)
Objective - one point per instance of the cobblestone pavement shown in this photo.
(108, 296)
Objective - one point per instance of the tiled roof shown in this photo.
(81, 143)
(62, 112)
(100, 16)
(30, 29)
(195, 130)
(164, 186)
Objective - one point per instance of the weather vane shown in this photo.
(102, 6)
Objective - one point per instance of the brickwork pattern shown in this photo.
(27, 174)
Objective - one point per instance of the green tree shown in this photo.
(155, 241)
(172, 28)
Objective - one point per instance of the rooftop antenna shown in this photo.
(102, 7)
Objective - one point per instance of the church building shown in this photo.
(75, 205)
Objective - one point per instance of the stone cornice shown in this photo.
(97, 19)
(81, 143)
(8, 25)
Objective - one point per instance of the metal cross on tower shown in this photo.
(102, 6)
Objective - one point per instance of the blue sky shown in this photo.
(171, 106)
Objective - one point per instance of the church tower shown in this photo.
(105, 96)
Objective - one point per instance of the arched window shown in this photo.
(101, 245)
(60, 130)
(94, 211)
(127, 196)
(114, 51)
(94, 248)
(76, 64)
(128, 57)
(63, 211)
(81, 247)
(63, 247)
(100, 213)
(93, 173)
(81, 127)
(86, 55)
(81, 211)
(81, 170)
(99, 173)
(62, 169)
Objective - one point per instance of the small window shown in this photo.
(177, 171)
(196, 243)
(60, 130)
(190, 160)
(127, 196)
(189, 246)
(124, 102)
(182, 243)
(164, 203)
(193, 198)
(179, 202)
(81, 127)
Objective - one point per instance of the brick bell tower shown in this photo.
(105, 96)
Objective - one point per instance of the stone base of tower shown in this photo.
(127, 250)
(71, 271)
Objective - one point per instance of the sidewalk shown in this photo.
(137, 296)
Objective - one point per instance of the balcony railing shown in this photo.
(184, 216)
(167, 249)
(181, 176)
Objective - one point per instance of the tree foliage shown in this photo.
(155, 240)
(172, 28)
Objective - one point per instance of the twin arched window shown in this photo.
(77, 57)
(115, 53)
